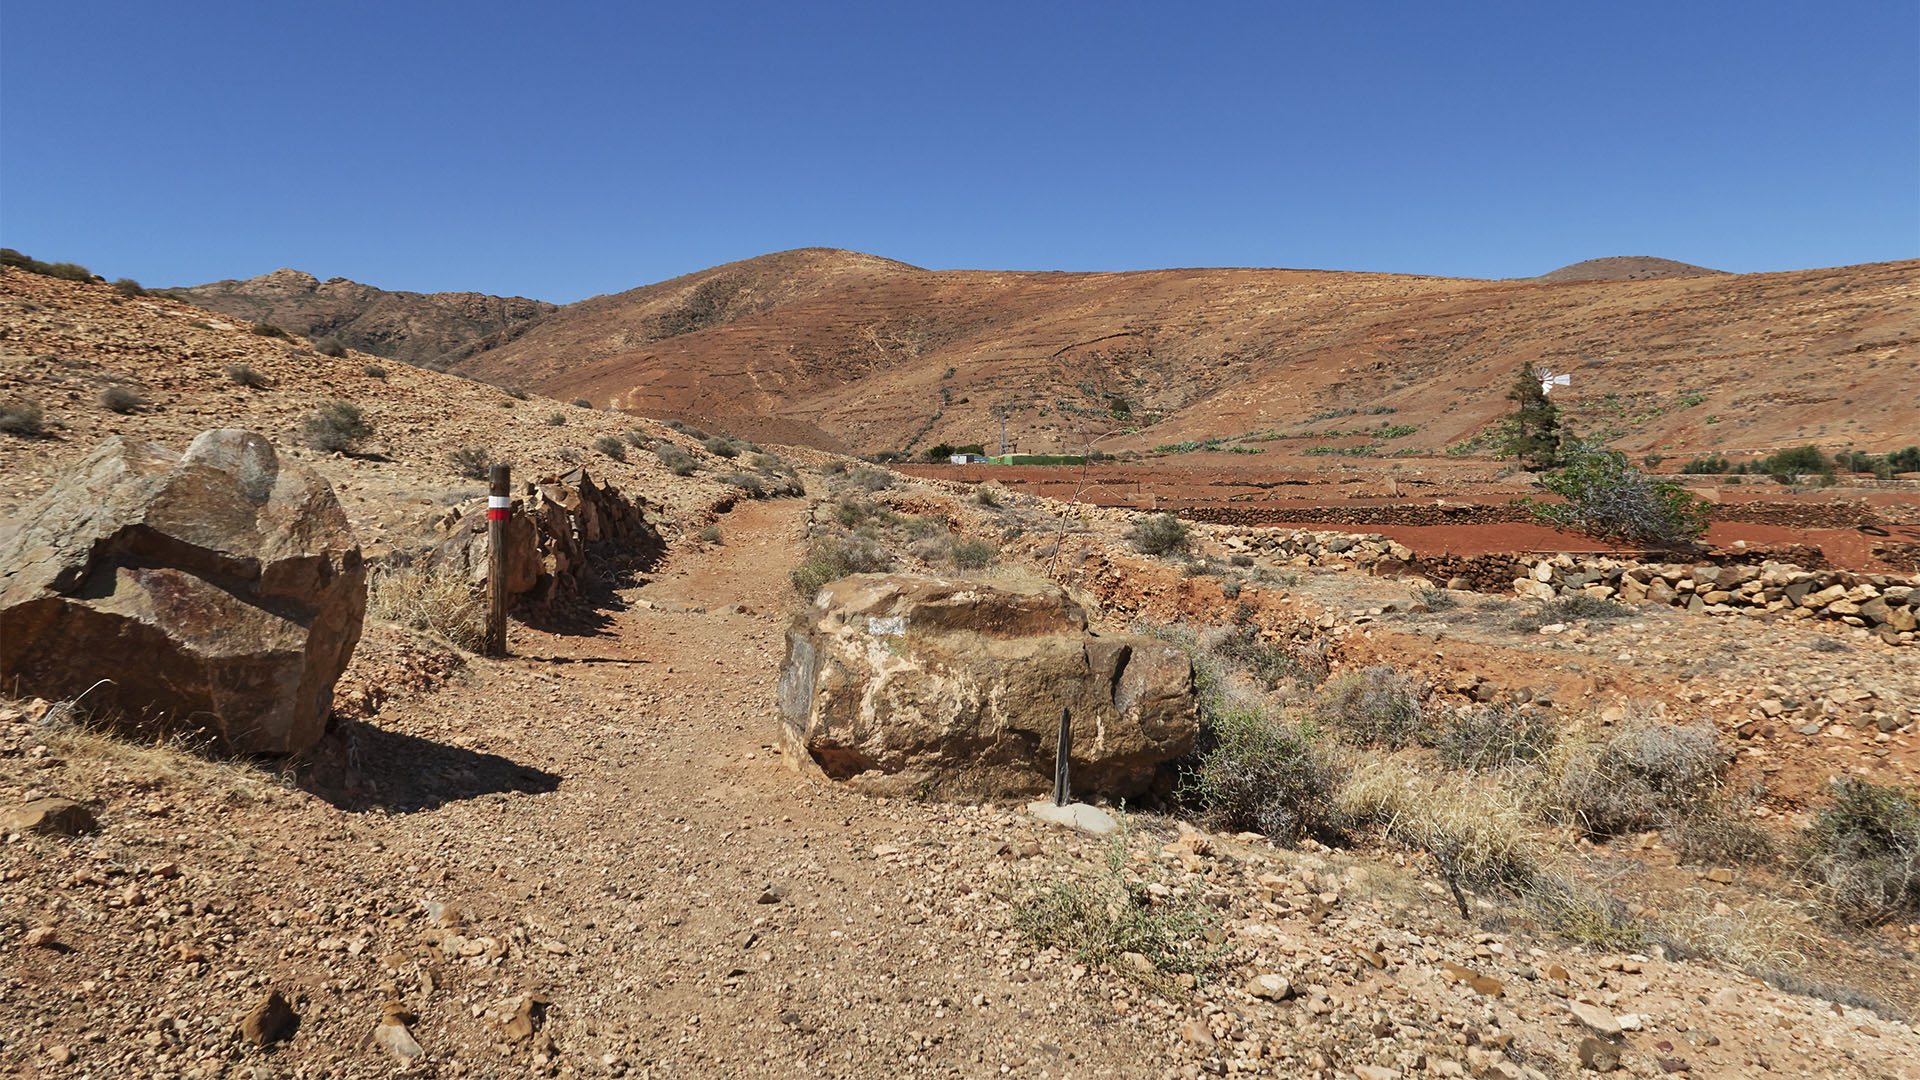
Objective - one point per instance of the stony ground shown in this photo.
(589, 859)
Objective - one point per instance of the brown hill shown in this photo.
(884, 356)
(427, 329)
(1626, 268)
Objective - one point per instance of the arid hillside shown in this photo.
(1627, 268)
(426, 329)
(879, 356)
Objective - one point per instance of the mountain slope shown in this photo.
(889, 357)
(425, 329)
(1626, 268)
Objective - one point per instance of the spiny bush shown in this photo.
(753, 486)
(832, 558)
(336, 426)
(710, 534)
(23, 418)
(1161, 534)
(330, 346)
(582, 403)
(1493, 737)
(1115, 917)
(637, 438)
(871, 479)
(1436, 599)
(1255, 770)
(242, 375)
(472, 462)
(126, 286)
(721, 446)
(1265, 661)
(375, 371)
(66, 270)
(1568, 608)
(611, 446)
(1864, 850)
(122, 400)
(974, 554)
(557, 420)
(267, 329)
(1378, 706)
(439, 601)
(988, 495)
(1646, 776)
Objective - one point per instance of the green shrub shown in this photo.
(23, 418)
(557, 420)
(1436, 599)
(711, 534)
(126, 286)
(721, 446)
(375, 371)
(1864, 850)
(974, 555)
(677, 460)
(752, 485)
(1905, 459)
(122, 400)
(582, 403)
(611, 446)
(472, 462)
(832, 558)
(1160, 534)
(1256, 771)
(1241, 649)
(1794, 463)
(267, 329)
(1606, 496)
(1493, 737)
(871, 479)
(330, 346)
(336, 427)
(242, 375)
(1645, 776)
(1378, 706)
(65, 270)
(1116, 917)
(1712, 464)
(1566, 609)
(637, 438)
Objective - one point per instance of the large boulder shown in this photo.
(928, 685)
(220, 590)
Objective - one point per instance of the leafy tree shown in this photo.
(1606, 496)
(1533, 429)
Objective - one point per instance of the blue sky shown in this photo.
(566, 149)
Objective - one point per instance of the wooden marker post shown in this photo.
(499, 505)
(1060, 751)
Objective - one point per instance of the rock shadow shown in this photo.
(359, 767)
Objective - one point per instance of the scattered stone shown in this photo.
(1270, 987)
(269, 1021)
(391, 1035)
(50, 817)
(1595, 1017)
(1075, 815)
(1599, 1054)
(42, 937)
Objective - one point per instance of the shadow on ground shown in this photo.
(359, 767)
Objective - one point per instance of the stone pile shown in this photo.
(560, 528)
(1305, 547)
(1880, 603)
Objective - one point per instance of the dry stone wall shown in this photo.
(565, 530)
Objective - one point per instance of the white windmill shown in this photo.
(1548, 380)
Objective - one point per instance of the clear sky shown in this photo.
(562, 149)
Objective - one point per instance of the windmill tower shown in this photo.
(1548, 380)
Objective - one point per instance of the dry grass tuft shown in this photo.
(437, 601)
(1479, 833)
(1759, 935)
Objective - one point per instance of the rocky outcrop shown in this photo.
(937, 686)
(219, 589)
(561, 529)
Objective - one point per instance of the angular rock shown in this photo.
(1598, 1054)
(220, 589)
(49, 817)
(1270, 987)
(269, 1021)
(1077, 815)
(391, 1035)
(928, 684)
(1595, 1017)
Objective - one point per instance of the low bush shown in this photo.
(832, 558)
(1493, 737)
(438, 601)
(1257, 771)
(1116, 917)
(988, 495)
(711, 534)
(582, 403)
(557, 420)
(330, 346)
(1606, 496)
(974, 554)
(636, 438)
(1646, 776)
(1160, 534)
(1710, 465)
(1436, 599)
(871, 479)
(1378, 706)
(267, 329)
(23, 418)
(65, 270)
(1566, 609)
(336, 427)
(1479, 836)
(611, 446)
(472, 462)
(375, 371)
(126, 286)
(1241, 648)
(122, 400)
(721, 446)
(242, 375)
(1864, 851)
(753, 486)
